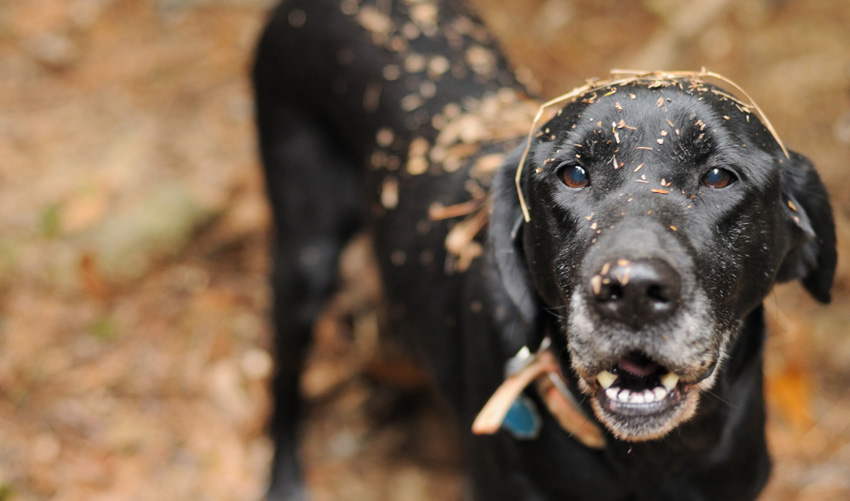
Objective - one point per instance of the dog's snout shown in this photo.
(636, 293)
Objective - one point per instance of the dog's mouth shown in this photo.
(637, 386)
(639, 399)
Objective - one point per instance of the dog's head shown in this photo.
(661, 214)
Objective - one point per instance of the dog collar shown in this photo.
(508, 408)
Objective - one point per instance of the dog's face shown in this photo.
(661, 215)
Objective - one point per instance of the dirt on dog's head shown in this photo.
(659, 212)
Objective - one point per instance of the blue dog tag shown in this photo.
(522, 420)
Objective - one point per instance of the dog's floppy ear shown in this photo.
(504, 238)
(812, 258)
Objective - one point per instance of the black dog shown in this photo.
(649, 219)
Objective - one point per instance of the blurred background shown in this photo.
(133, 236)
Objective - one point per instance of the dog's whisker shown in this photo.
(721, 399)
(555, 313)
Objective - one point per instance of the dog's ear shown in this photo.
(504, 238)
(812, 258)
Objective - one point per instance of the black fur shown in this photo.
(380, 119)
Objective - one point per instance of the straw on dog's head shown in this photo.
(625, 77)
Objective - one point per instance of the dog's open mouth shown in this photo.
(637, 386)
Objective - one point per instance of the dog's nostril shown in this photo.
(656, 292)
(636, 292)
(615, 291)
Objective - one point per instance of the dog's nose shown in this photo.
(636, 293)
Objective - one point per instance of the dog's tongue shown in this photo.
(639, 368)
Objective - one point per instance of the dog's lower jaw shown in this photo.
(667, 405)
(676, 402)
(630, 423)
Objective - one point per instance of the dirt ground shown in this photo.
(133, 237)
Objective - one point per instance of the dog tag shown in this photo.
(491, 417)
(522, 420)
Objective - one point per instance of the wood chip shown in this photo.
(417, 166)
(439, 212)
(384, 137)
(596, 284)
(624, 279)
(389, 193)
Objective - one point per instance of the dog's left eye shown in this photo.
(574, 176)
(718, 178)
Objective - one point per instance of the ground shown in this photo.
(133, 249)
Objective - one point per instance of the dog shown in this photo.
(586, 296)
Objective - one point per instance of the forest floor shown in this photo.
(134, 234)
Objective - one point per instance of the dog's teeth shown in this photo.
(606, 379)
(670, 380)
(624, 396)
(636, 398)
(660, 393)
(648, 396)
(612, 393)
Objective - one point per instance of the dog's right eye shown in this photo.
(574, 176)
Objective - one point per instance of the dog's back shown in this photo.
(389, 116)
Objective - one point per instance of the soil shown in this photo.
(134, 235)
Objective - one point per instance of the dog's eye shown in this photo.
(574, 176)
(718, 178)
